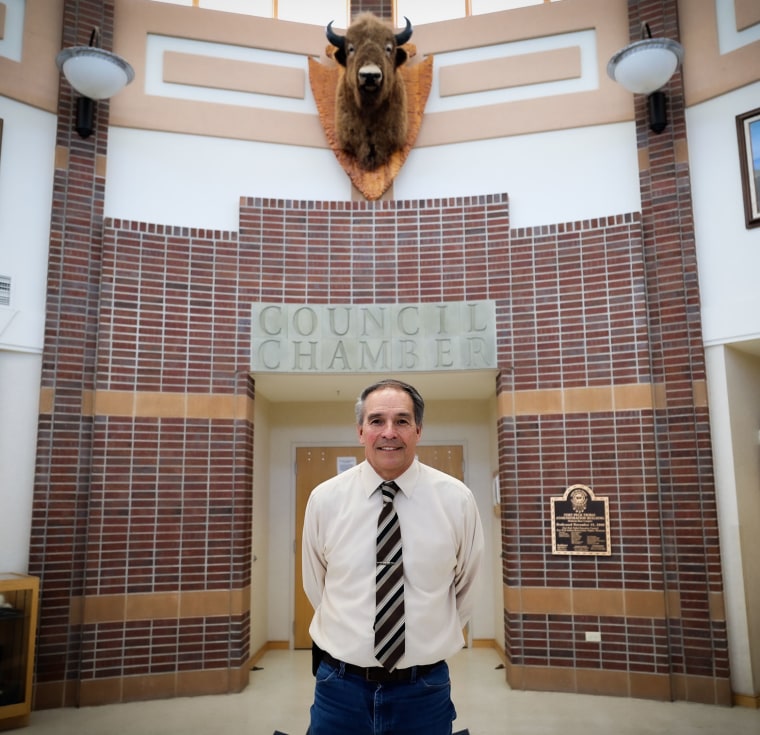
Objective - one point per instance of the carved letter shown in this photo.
(339, 354)
(402, 322)
(472, 308)
(310, 354)
(305, 326)
(333, 329)
(443, 358)
(379, 321)
(378, 360)
(442, 308)
(476, 347)
(271, 324)
(264, 348)
(408, 358)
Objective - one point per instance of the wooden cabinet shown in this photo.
(18, 632)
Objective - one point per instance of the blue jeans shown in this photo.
(347, 704)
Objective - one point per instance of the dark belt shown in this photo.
(378, 673)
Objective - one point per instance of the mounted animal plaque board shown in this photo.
(417, 76)
(580, 523)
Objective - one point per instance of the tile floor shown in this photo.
(280, 692)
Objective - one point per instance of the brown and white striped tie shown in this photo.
(389, 575)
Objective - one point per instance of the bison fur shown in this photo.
(370, 101)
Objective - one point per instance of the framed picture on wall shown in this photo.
(748, 130)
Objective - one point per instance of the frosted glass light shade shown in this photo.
(94, 72)
(645, 66)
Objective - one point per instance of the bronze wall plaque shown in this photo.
(580, 523)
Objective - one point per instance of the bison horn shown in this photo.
(403, 36)
(333, 37)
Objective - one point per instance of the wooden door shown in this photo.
(317, 464)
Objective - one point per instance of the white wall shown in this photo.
(27, 155)
(197, 182)
(294, 425)
(19, 408)
(728, 256)
(329, 424)
(552, 177)
(27, 161)
(193, 181)
(497, 575)
(470, 423)
(260, 530)
(743, 378)
(728, 253)
(734, 395)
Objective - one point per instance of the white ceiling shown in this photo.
(750, 346)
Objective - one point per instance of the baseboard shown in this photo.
(268, 646)
(490, 643)
(747, 700)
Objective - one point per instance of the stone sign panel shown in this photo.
(373, 338)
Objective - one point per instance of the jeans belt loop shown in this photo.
(413, 673)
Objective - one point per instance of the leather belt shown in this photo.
(378, 673)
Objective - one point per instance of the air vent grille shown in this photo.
(5, 290)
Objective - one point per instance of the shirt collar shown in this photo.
(406, 482)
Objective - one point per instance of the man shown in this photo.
(389, 608)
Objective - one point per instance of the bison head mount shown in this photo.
(370, 101)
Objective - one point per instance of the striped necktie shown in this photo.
(389, 576)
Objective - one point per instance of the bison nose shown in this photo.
(371, 76)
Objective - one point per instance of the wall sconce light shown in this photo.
(96, 74)
(643, 67)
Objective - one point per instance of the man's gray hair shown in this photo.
(411, 391)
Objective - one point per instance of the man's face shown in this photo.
(388, 432)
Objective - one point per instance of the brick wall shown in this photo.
(691, 547)
(142, 509)
(60, 512)
(168, 514)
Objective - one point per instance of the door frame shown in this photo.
(301, 611)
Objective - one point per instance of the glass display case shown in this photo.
(19, 600)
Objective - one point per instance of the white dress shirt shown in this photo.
(442, 542)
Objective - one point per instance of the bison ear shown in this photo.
(401, 56)
(340, 56)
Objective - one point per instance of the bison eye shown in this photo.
(351, 48)
(389, 48)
